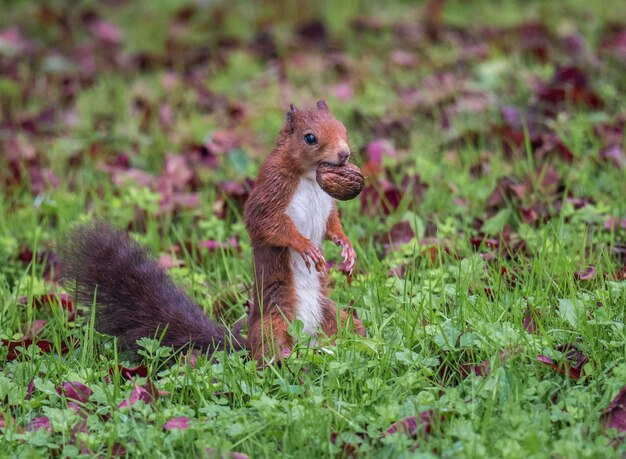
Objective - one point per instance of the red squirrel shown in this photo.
(287, 217)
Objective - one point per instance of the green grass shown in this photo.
(426, 327)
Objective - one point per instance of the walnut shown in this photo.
(343, 182)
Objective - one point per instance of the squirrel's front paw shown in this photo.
(313, 253)
(348, 254)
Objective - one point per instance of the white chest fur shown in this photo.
(309, 210)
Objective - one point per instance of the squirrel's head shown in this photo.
(315, 136)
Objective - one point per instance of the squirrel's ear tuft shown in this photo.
(321, 104)
(290, 118)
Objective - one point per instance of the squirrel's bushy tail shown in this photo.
(134, 296)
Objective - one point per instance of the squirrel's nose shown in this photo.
(343, 156)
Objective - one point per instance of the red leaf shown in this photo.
(78, 409)
(35, 328)
(81, 427)
(167, 261)
(615, 42)
(433, 249)
(215, 246)
(533, 37)
(129, 372)
(619, 250)
(614, 415)
(211, 453)
(118, 450)
(123, 175)
(181, 423)
(44, 345)
(2, 421)
(530, 325)
(177, 174)
(210, 246)
(586, 274)
(550, 144)
(518, 120)
(140, 393)
(191, 358)
(576, 361)
(350, 449)
(615, 224)
(620, 274)
(51, 299)
(385, 197)
(375, 151)
(482, 369)
(343, 91)
(413, 186)
(399, 234)
(615, 155)
(176, 201)
(610, 133)
(403, 58)
(30, 389)
(569, 84)
(166, 115)
(222, 141)
(313, 32)
(12, 39)
(25, 255)
(412, 425)
(202, 156)
(234, 192)
(75, 391)
(39, 423)
(106, 32)
(507, 189)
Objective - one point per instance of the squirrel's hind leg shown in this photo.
(347, 320)
(268, 337)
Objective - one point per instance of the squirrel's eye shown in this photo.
(310, 139)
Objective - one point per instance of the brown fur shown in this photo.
(273, 233)
(134, 296)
